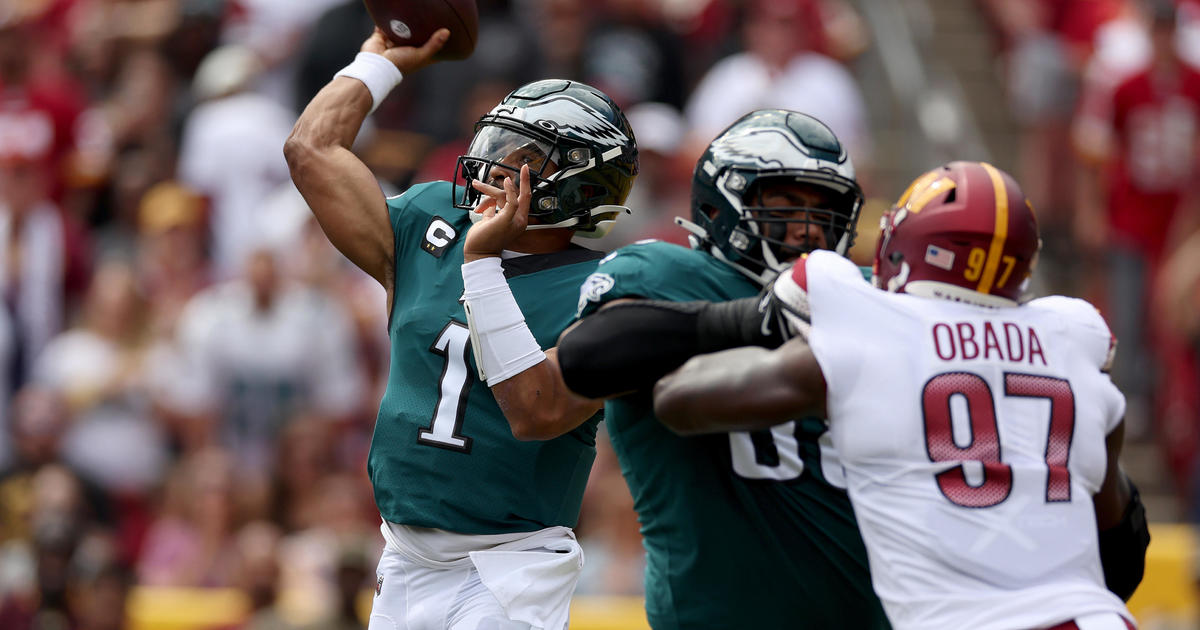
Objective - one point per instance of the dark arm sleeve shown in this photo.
(627, 346)
(1123, 548)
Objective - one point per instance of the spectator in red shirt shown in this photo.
(1136, 132)
(37, 112)
(40, 258)
(1045, 45)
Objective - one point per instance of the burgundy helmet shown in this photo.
(963, 231)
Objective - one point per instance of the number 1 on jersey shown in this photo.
(454, 385)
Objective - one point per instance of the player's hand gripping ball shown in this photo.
(411, 22)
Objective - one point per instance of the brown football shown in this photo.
(411, 22)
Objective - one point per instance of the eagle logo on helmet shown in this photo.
(566, 116)
(764, 149)
(585, 150)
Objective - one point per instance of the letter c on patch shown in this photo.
(438, 237)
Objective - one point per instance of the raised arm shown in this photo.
(340, 189)
(743, 389)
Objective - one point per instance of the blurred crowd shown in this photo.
(1105, 95)
(189, 372)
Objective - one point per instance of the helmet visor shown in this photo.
(509, 149)
(497, 153)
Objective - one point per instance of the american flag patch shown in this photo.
(938, 257)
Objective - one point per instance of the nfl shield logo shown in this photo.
(378, 584)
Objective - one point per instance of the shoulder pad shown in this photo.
(1081, 314)
(832, 265)
(428, 196)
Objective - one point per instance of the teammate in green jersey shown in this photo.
(477, 523)
(741, 530)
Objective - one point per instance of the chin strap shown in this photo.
(601, 227)
(696, 234)
(697, 238)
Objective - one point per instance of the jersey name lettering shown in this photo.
(987, 341)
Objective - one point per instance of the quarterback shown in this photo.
(477, 523)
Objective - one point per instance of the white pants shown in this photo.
(434, 580)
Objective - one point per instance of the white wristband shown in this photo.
(502, 342)
(375, 72)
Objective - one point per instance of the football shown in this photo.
(411, 22)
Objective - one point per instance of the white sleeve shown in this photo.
(337, 378)
(47, 368)
(195, 156)
(1091, 335)
(843, 307)
(196, 344)
(713, 106)
(791, 289)
(1088, 328)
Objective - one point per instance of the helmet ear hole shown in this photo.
(895, 257)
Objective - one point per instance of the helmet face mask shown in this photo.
(579, 146)
(790, 217)
(497, 152)
(498, 146)
(773, 186)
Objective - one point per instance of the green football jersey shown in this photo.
(443, 454)
(741, 529)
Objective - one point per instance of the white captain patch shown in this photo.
(438, 236)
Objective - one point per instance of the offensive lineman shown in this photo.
(477, 524)
(980, 436)
(741, 530)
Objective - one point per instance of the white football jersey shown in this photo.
(973, 439)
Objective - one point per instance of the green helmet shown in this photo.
(580, 149)
(770, 146)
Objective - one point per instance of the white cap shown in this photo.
(225, 71)
(657, 126)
